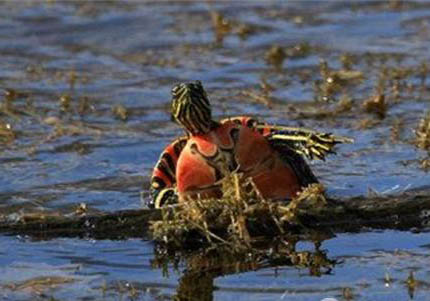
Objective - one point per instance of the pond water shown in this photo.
(86, 117)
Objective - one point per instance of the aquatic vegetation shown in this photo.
(334, 81)
(422, 132)
(423, 72)
(221, 25)
(366, 123)
(84, 105)
(396, 130)
(347, 60)
(425, 164)
(376, 104)
(40, 285)
(65, 103)
(411, 284)
(120, 112)
(7, 135)
(347, 294)
(299, 50)
(276, 56)
(257, 97)
(240, 203)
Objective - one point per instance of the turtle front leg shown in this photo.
(163, 180)
(163, 197)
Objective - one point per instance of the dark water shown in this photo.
(108, 54)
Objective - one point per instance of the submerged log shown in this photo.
(407, 211)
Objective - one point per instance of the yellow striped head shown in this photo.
(191, 107)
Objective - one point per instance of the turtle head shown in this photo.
(191, 107)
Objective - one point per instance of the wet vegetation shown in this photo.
(84, 115)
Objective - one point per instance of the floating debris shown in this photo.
(276, 56)
(72, 79)
(334, 81)
(387, 279)
(120, 112)
(8, 106)
(367, 123)
(347, 294)
(65, 103)
(299, 51)
(257, 97)
(82, 209)
(84, 105)
(244, 30)
(347, 61)
(266, 87)
(422, 133)
(344, 105)
(396, 130)
(52, 120)
(411, 284)
(425, 164)
(40, 285)
(222, 26)
(376, 104)
(77, 146)
(423, 71)
(7, 135)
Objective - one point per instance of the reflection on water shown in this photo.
(368, 265)
(203, 266)
(84, 117)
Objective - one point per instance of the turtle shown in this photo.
(273, 156)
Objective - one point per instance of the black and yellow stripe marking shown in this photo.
(191, 107)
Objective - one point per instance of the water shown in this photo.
(131, 53)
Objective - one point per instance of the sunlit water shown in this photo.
(130, 54)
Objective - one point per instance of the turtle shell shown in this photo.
(207, 158)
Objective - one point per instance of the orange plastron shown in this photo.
(207, 158)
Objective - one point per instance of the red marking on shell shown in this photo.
(277, 182)
(242, 119)
(274, 178)
(193, 171)
(251, 149)
(206, 144)
(223, 133)
(171, 151)
(160, 174)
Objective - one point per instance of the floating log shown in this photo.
(407, 211)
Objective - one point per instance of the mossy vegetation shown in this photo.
(422, 132)
(227, 220)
